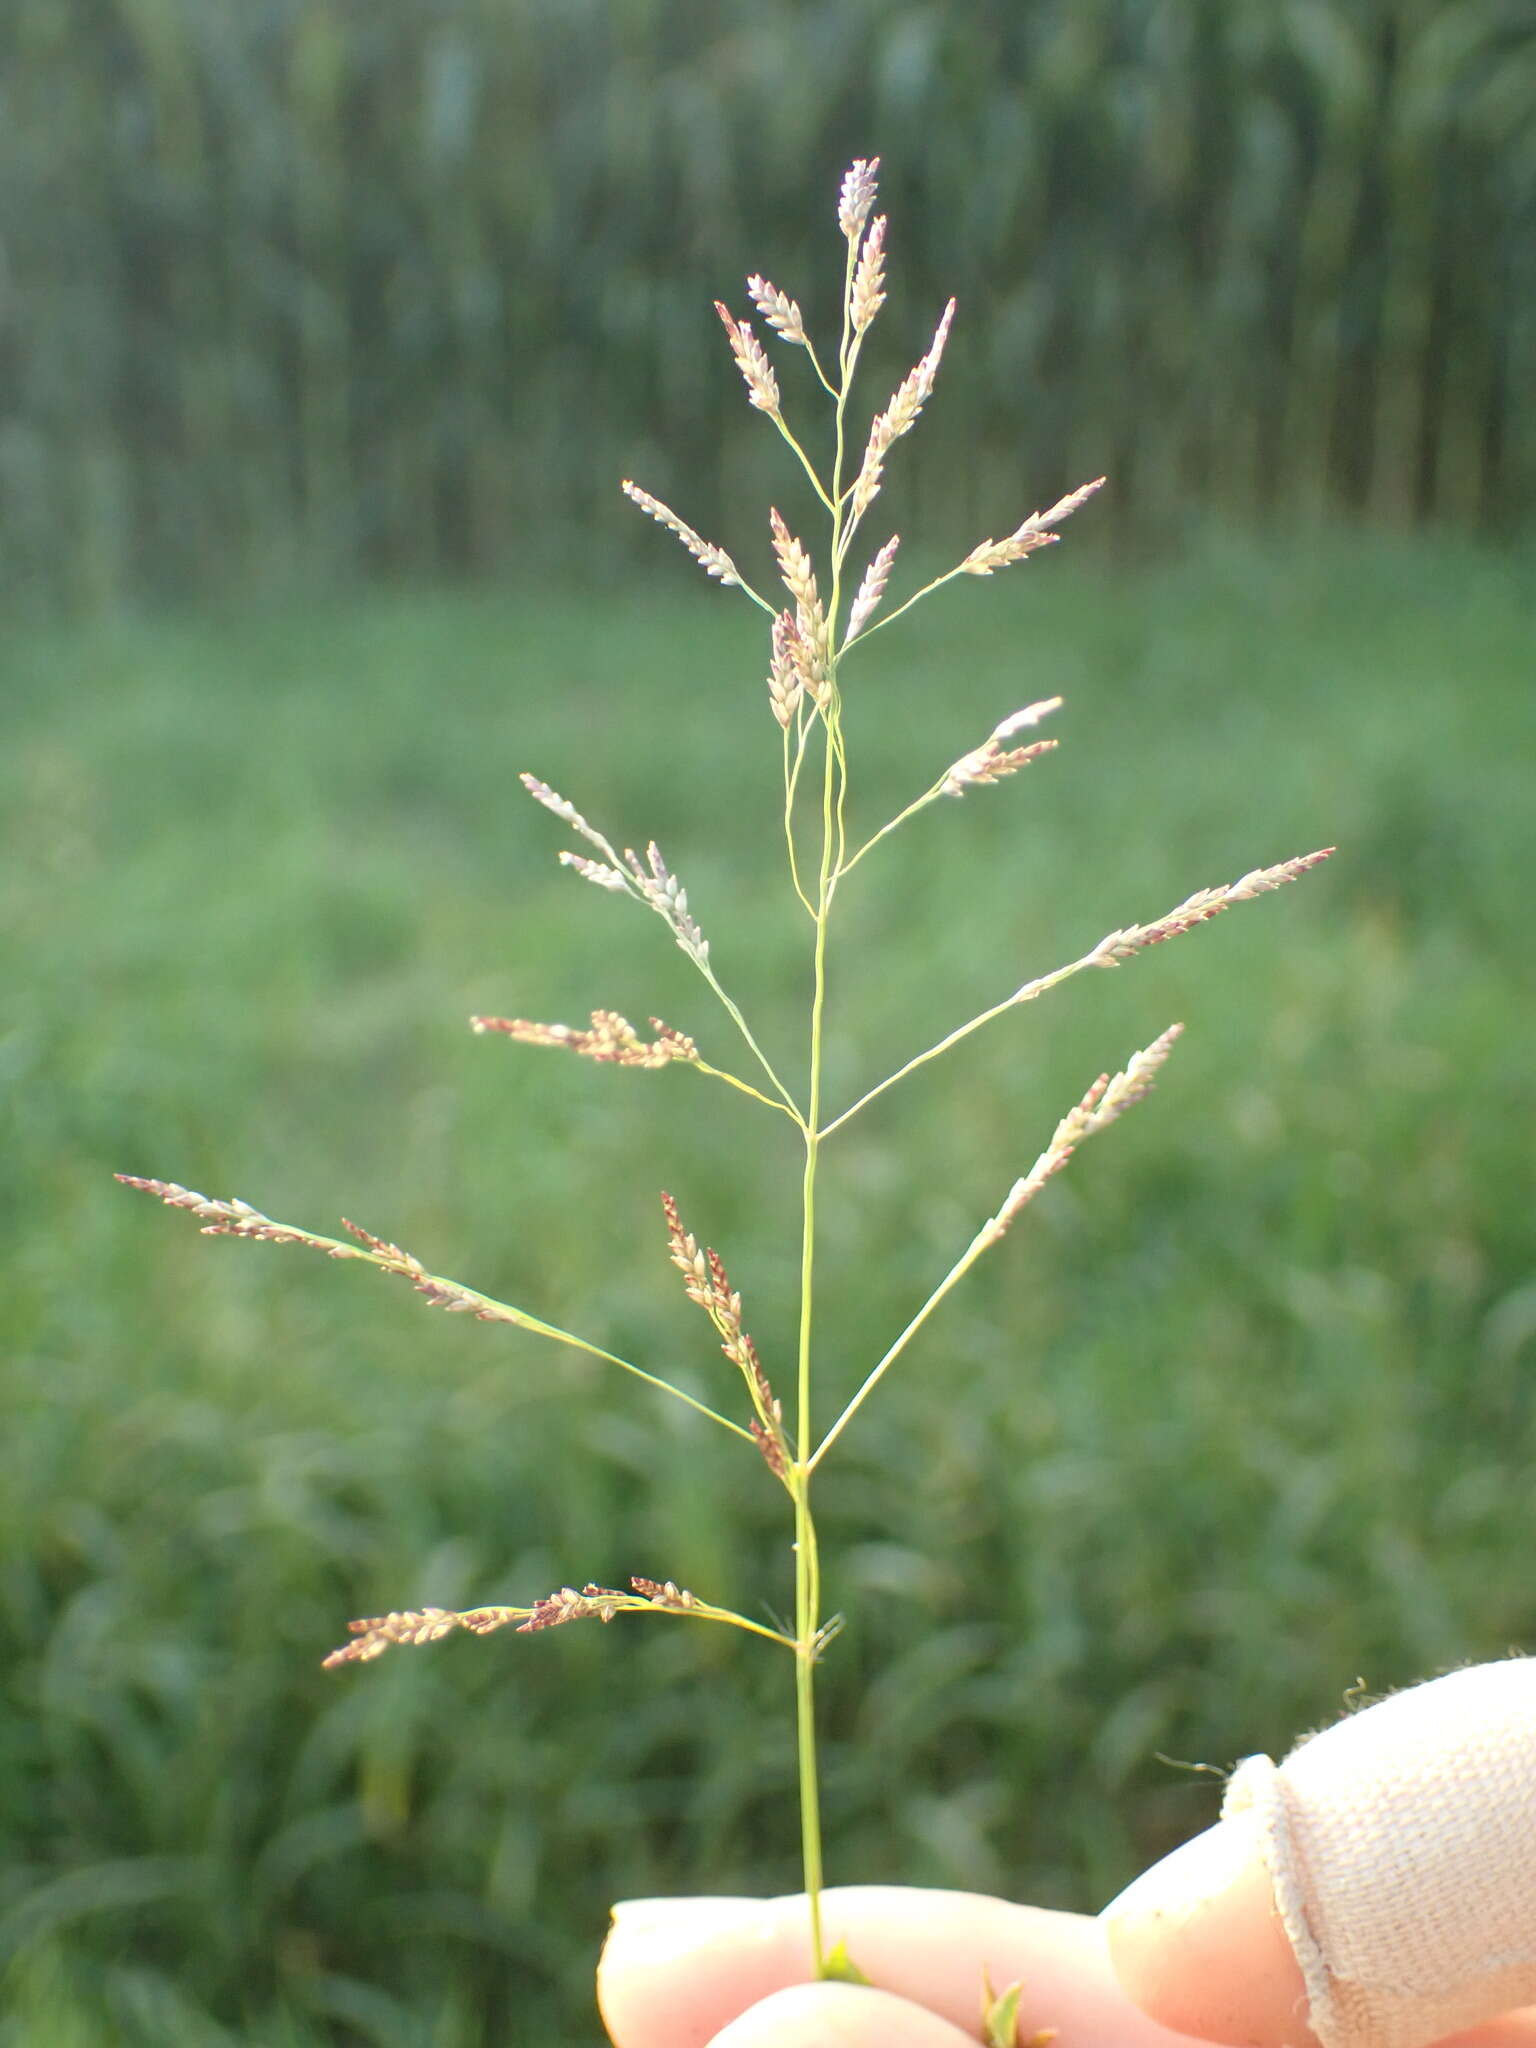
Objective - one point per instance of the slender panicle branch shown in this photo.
(990, 762)
(1105, 1100)
(614, 1041)
(371, 1638)
(1111, 950)
(651, 882)
(238, 1219)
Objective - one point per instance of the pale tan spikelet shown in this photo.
(715, 560)
(1200, 909)
(800, 581)
(612, 1039)
(1034, 533)
(794, 563)
(600, 1603)
(553, 801)
(686, 1254)
(234, 1218)
(991, 761)
(857, 195)
(706, 1282)
(1128, 1087)
(597, 872)
(785, 682)
(1105, 1100)
(372, 1638)
(756, 370)
(391, 1254)
(656, 885)
(868, 294)
(871, 590)
(778, 310)
(665, 1593)
(900, 416)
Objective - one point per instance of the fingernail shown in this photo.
(1190, 1878)
(662, 1928)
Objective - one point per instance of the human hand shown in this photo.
(1397, 1852)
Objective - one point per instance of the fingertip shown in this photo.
(672, 1970)
(838, 2016)
(1198, 1945)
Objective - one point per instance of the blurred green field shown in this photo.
(1243, 1412)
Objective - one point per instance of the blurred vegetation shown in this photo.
(1243, 1410)
(321, 287)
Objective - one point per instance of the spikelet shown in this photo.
(567, 812)
(1200, 909)
(756, 370)
(716, 561)
(706, 1283)
(656, 885)
(612, 1039)
(1105, 1100)
(371, 1638)
(871, 590)
(779, 311)
(1034, 533)
(992, 760)
(868, 294)
(800, 581)
(900, 416)
(412, 1626)
(857, 195)
(786, 683)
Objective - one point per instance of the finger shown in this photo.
(1376, 1890)
(1199, 1946)
(838, 2016)
(676, 1972)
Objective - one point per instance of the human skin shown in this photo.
(1403, 1839)
(1200, 1954)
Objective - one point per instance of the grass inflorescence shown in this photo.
(810, 637)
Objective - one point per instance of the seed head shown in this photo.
(778, 310)
(871, 590)
(857, 196)
(756, 370)
(715, 560)
(1034, 533)
(868, 294)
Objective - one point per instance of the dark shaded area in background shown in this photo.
(299, 286)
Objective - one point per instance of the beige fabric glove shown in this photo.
(1401, 1844)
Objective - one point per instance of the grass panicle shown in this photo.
(807, 639)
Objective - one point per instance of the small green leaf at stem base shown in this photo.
(999, 2014)
(1000, 2018)
(840, 1968)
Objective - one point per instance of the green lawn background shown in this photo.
(1242, 1410)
